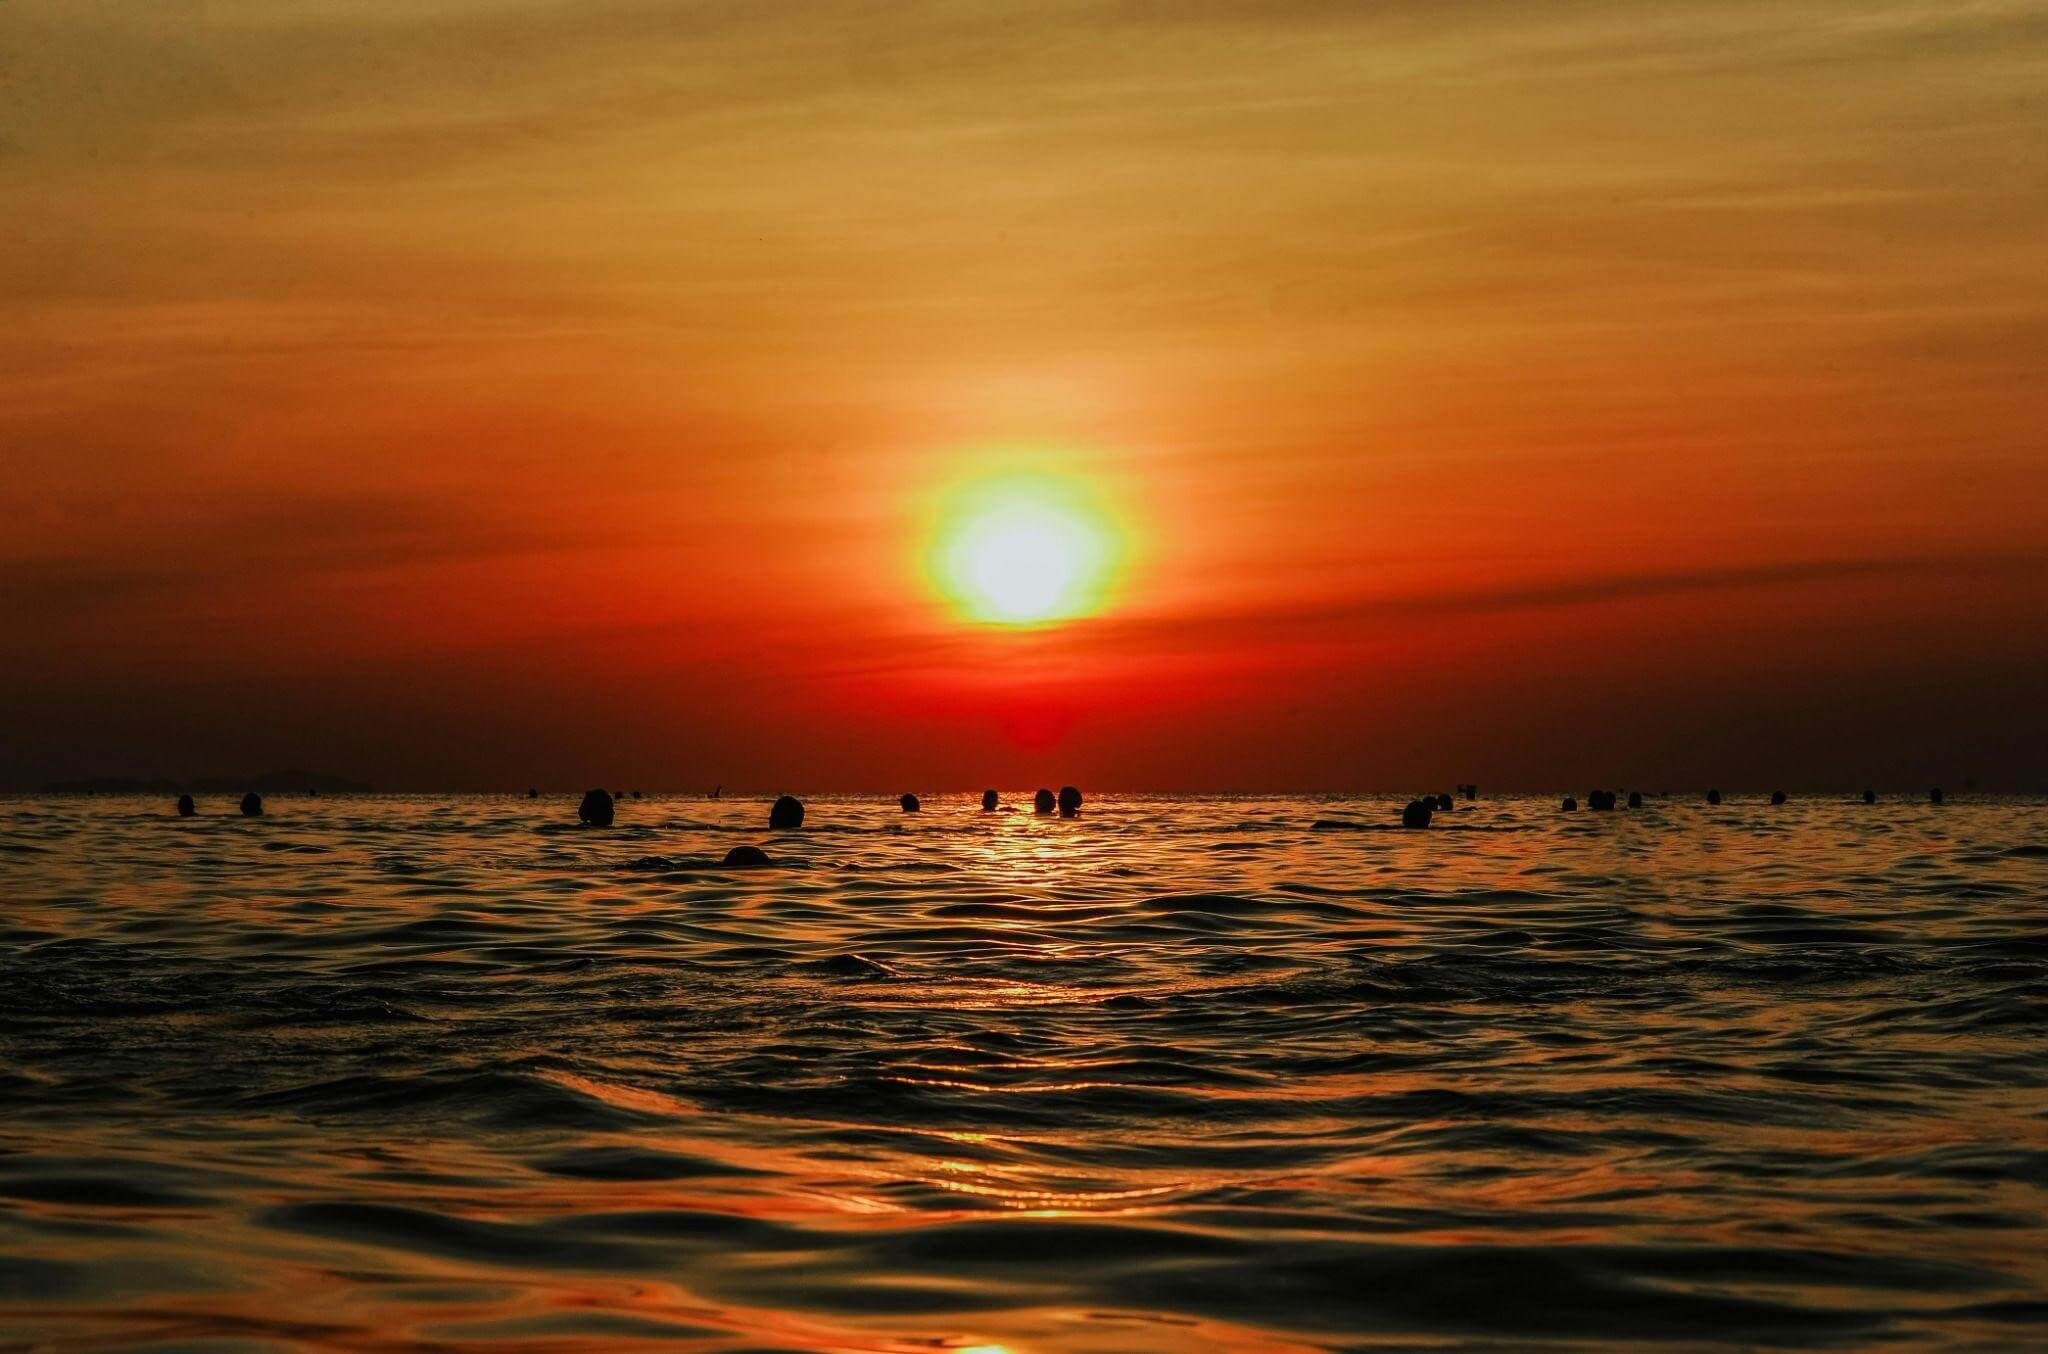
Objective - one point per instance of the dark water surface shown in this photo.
(394, 1074)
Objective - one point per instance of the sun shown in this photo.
(1024, 550)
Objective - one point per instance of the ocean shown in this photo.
(457, 1074)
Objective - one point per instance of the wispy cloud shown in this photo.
(664, 311)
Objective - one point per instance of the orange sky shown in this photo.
(531, 392)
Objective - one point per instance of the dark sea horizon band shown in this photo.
(1179, 1072)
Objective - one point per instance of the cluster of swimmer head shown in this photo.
(1418, 812)
(788, 811)
(598, 808)
(1604, 799)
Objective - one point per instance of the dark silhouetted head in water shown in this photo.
(252, 805)
(1777, 796)
(1934, 795)
(533, 794)
(1440, 803)
(185, 808)
(1417, 812)
(747, 855)
(909, 803)
(1870, 796)
(636, 794)
(596, 809)
(1713, 796)
(1070, 801)
(1471, 792)
(988, 801)
(788, 812)
(1635, 799)
(1570, 805)
(1042, 801)
(1602, 800)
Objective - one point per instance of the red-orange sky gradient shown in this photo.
(526, 392)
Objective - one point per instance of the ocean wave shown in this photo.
(1177, 1074)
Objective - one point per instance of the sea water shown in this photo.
(394, 1073)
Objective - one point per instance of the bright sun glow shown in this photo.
(1024, 550)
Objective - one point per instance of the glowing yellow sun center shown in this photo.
(1023, 552)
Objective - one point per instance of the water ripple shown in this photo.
(1265, 1075)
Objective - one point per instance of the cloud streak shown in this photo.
(488, 329)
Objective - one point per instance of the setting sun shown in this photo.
(1024, 550)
